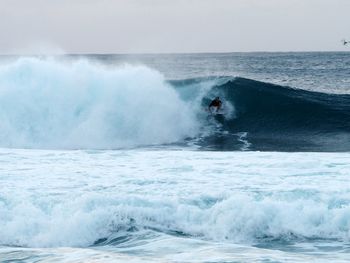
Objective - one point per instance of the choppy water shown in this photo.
(106, 162)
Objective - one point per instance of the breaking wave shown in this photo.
(46, 103)
(97, 220)
(273, 117)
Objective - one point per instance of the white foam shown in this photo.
(49, 104)
(53, 198)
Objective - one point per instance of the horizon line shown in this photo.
(167, 53)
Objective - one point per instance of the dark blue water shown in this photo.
(277, 118)
(282, 101)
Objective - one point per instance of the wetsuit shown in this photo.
(216, 103)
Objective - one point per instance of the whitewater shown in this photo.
(116, 158)
(47, 104)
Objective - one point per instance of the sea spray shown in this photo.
(45, 103)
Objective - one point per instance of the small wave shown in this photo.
(240, 218)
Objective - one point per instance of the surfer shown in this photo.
(217, 103)
(345, 42)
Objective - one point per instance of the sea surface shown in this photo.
(116, 158)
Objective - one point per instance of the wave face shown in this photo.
(51, 104)
(272, 117)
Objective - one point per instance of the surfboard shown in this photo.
(220, 112)
(219, 117)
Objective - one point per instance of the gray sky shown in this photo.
(157, 26)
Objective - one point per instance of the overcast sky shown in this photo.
(158, 26)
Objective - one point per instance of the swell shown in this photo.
(266, 107)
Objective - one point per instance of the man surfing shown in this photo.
(216, 103)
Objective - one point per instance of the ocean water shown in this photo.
(115, 158)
